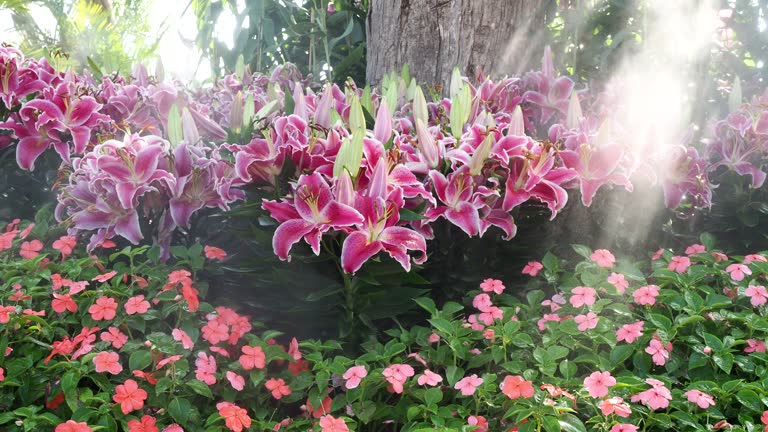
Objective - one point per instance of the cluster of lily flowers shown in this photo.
(144, 153)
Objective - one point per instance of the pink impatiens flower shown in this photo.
(598, 382)
(278, 387)
(701, 399)
(582, 296)
(492, 285)
(73, 426)
(623, 427)
(63, 302)
(532, 268)
(105, 308)
(107, 361)
(205, 368)
(354, 375)
(679, 264)
(182, 336)
(757, 295)
(738, 271)
(754, 258)
(30, 249)
(252, 358)
(657, 397)
(615, 405)
(214, 253)
(603, 258)
(695, 249)
(646, 295)
(429, 378)
(236, 381)
(586, 322)
(479, 422)
(657, 254)
(754, 345)
(658, 352)
(468, 385)
(630, 332)
(396, 375)
(619, 282)
(136, 305)
(65, 245)
(331, 424)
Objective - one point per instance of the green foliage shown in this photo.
(330, 46)
(88, 34)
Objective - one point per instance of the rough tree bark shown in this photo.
(495, 37)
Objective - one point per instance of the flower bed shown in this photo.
(126, 342)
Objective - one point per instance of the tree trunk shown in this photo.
(492, 37)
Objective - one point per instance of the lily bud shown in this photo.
(574, 117)
(420, 106)
(456, 83)
(174, 129)
(323, 109)
(236, 112)
(390, 95)
(189, 128)
(382, 129)
(547, 67)
(366, 100)
(356, 117)
(240, 67)
(480, 155)
(427, 145)
(405, 74)
(461, 106)
(345, 190)
(350, 155)
(735, 98)
(159, 70)
(378, 186)
(517, 125)
(408, 89)
(300, 105)
(248, 109)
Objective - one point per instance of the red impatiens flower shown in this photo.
(136, 305)
(129, 396)
(235, 418)
(105, 308)
(73, 426)
(107, 361)
(114, 335)
(104, 277)
(253, 357)
(214, 253)
(331, 424)
(146, 424)
(515, 387)
(63, 302)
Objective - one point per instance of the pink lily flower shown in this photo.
(378, 232)
(314, 212)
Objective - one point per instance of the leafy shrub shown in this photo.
(128, 341)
